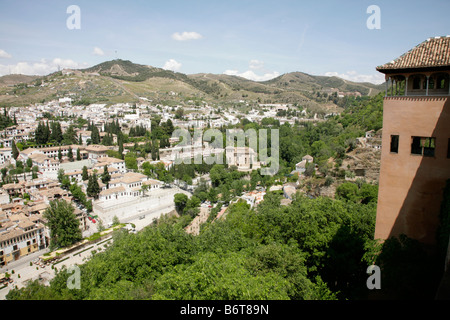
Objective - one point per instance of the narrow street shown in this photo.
(23, 271)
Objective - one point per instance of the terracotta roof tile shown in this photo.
(434, 52)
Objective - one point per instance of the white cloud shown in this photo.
(256, 64)
(186, 36)
(41, 68)
(4, 54)
(251, 75)
(172, 65)
(356, 77)
(98, 52)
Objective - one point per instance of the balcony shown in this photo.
(418, 85)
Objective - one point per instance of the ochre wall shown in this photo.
(410, 186)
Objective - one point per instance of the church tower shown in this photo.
(415, 156)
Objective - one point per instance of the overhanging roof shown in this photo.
(434, 53)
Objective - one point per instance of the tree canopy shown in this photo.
(63, 224)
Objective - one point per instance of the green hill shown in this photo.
(124, 81)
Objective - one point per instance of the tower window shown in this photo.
(423, 146)
(394, 143)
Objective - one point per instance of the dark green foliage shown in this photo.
(48, 133)
(106, 177)
(138, 131)
(95, 133)
(349, 191)
(63, 224)
(93, 188)
(15, 151)
(70, 136)
(56, 132)
(180, 200)
(5, 120)
(70, 155)
(84, 174)
(408, 271)
(41, 135)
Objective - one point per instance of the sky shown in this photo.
(258, 40)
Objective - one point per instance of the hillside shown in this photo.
(124, 81)
(13, 79)
(304, 82)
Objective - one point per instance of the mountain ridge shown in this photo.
(124, 81)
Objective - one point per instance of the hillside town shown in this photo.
(129, 192)
(37, 171)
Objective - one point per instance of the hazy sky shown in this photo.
(255, 39)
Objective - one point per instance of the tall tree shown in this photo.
(15, 151)
(93, 188)
(56, 132)
(106, 177)
(70, 136)
(120, 142)
(85, 174)
(63, 224)
(70, 154)
(41, 134)
(180, 200)
(95, 134)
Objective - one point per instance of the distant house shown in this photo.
(110, 162)
(96, 151)
(65, 101)
(244, 158)
(301, 166)
(21, 235)
(289, 190)
(5, 155)
(47, 166)
(128, 185)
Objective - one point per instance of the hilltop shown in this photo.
(124, 81)
(13, 79)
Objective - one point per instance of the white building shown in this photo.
(5, 155)
(20, 236)
(244, 158)
(301, 166)
(127, 186)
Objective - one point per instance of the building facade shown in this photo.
(20, 238)
(415, 158)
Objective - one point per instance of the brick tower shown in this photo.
(415, 156)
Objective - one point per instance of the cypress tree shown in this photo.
(84, 174)
(15, 151)
(70, 154)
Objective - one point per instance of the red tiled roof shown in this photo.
(434, 52)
